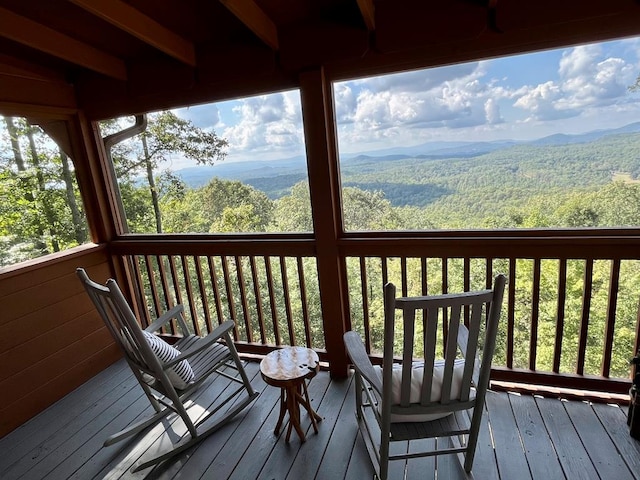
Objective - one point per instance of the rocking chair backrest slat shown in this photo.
(468, 344)
(431, 329)
(122, 324)
(450, 355)
(407, 356)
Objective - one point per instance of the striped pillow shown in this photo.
(181, 373)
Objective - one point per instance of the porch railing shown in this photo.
(570, 311)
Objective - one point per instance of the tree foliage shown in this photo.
(165, 136)
(40, 209)
(575, 186)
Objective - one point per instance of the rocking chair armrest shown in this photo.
(203, 343)
(360, 360)
(162, 320)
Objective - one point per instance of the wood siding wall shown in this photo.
(52, 339)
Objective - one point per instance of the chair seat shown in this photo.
(417, 375)
(204, 362)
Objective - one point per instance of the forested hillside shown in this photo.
(591, 181)
(541, 183)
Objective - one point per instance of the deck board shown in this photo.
(573, 456)
(602, 451)
(613, 419)
(512, 462)
(533, 437)
(539, 452)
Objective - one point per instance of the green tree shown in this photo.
(40, 200)
(166, 135)
(293, 212)
(363, 210)
(219, 206)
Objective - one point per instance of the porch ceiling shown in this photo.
(112, 57)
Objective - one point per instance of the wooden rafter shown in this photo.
(139, 25)
(20, 68)
(40, 37)
(249, 13)
(368, 13)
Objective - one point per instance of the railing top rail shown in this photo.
(213, 245)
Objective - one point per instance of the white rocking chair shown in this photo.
(169, 374)
(427, 399)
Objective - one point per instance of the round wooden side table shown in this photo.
(288, 368)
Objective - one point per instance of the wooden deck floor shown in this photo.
(522, 437)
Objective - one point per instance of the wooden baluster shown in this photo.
(174, 279)
(466, 274)
(230, 301)
(258, 297)
(287, 300)
(614, 283)
(303, 301)
(403, 273)
(143, 310)
(203, 294)
(365, 303)
(152, 286)
(216, 291)
(584, 322)
(423, 276)
(242, 288)
(562, 297)
(272, 301)
(535, 313)
(189, 291)
(445, 313)
(169, 303)
(511, 305)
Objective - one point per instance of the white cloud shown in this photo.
(202, 116)
(492, 112)
(268, 126)
(345, 102)
(420, 80)
(472, 101)
(411, 107)
(587, 80)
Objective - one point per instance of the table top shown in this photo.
(289, 365)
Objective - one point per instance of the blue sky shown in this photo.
(569, 90)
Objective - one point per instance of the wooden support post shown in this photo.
(324, 187)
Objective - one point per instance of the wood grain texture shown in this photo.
(53, 340)
(566, 441)
(614, 420)
(65, 441)
(510, 456)
(541, 457)
(603, 453)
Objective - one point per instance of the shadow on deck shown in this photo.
(522, 437)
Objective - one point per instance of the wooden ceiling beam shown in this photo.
(20, 68)
(367, 10)
(254, 18)
(136, 23)
(26, 91)
(40, 37)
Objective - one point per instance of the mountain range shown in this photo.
(257, 172)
